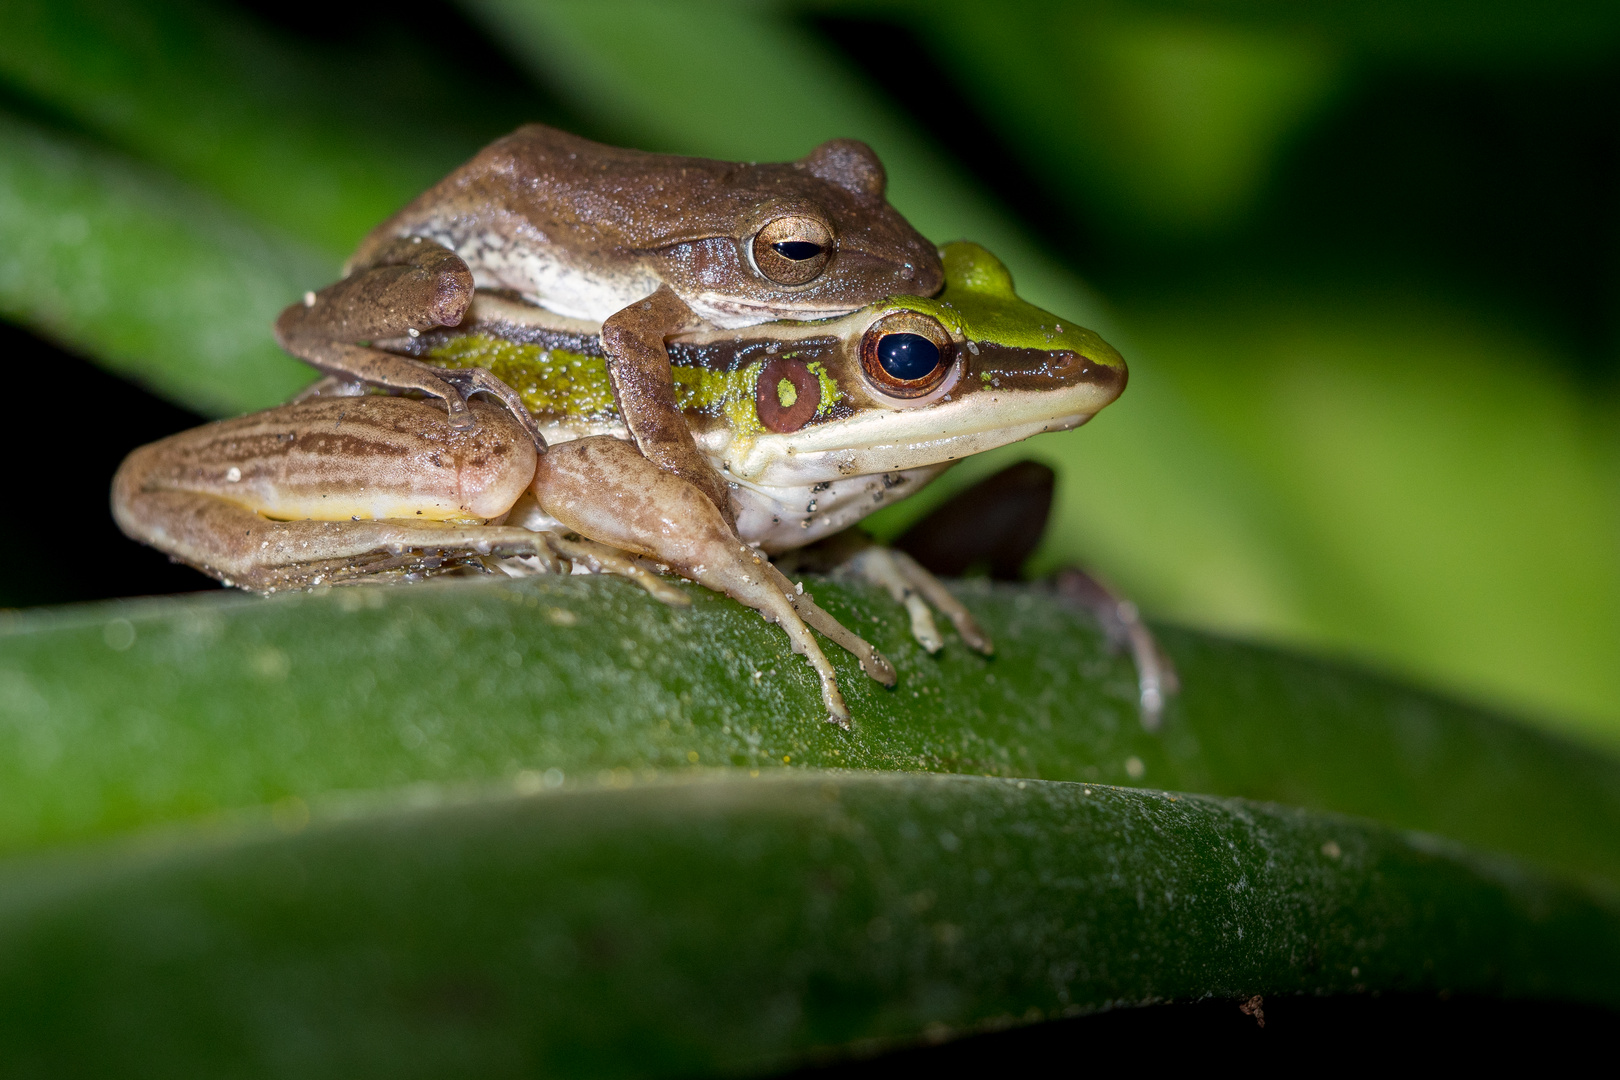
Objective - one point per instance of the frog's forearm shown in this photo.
(408, 287)
(644, 388)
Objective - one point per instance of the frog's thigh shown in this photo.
(328, 489)
(245, 549)
(644, 387)
(604, 489)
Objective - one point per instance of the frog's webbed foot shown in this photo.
(854, 556)
(406, 286)
(1156, 677)
(644, 389)
(603, 488)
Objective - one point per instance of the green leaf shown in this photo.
(319, 142)
(734, 925)
(124, 716)
(150, 277)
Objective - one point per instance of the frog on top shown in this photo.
(647, 245)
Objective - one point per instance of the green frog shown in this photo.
(641, 245)
(813, 424)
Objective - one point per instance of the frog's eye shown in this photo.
(793, 249)
(906, 354)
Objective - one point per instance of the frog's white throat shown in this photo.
(780, 519)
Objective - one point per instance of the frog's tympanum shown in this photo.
(646, 245)
(813, 424)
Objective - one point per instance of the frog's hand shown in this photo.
(997, 524)
(602, 488)
(918, 590)
(853, 554)
(405, 287)
(644, 388)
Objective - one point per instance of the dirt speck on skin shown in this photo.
(1253, 1007)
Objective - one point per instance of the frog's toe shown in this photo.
(921, 593)
(602, 559)
(1156, 676)
(476, 380)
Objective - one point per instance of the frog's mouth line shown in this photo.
(881, 440)
(731, 313)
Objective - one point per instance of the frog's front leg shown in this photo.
(407, 286)
(332, 491)
(604, 489)
(854, 555)
(644, 387)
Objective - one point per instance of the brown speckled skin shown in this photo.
(179, 496)
(597, 232)
(684, 221)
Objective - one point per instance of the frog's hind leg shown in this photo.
(644, 388)
(407, 286)
(331, 491)
(250, 551)
(604, 489)
(1156, 676)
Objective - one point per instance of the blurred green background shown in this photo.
(1361, 257)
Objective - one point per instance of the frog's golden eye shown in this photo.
(793, 249)
(906, 354)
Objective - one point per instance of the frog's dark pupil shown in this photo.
(797, 250)
(908, 356)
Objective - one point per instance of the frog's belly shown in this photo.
(782, 518)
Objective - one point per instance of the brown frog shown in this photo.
(647, 245)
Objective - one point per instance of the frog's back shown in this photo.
(542, 210)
